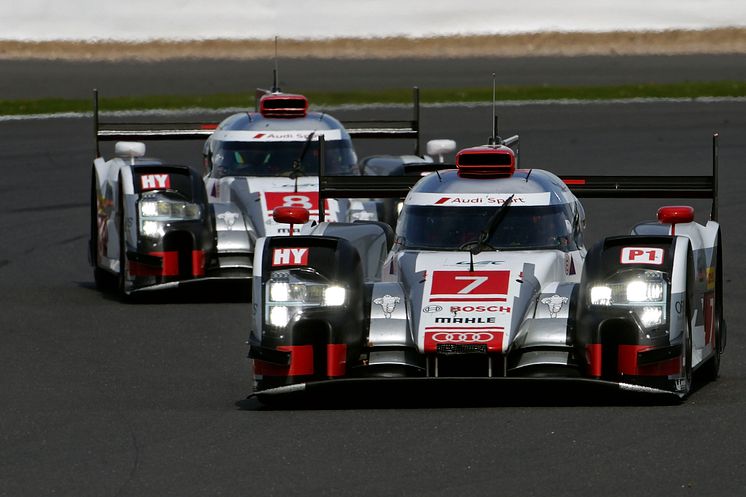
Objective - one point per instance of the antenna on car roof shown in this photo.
(297, 163)
(275, 72)
(494, 139)
(715, 160)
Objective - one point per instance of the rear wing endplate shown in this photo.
(581, 186)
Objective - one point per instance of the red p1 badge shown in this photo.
(289, 257)
(642, 255)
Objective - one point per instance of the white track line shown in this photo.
(468, 105)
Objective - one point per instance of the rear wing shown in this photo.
(582, 186)
(390, 129)
(105, 131)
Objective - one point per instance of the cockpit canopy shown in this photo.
(269, 143)
(545, 227)
(531, 209)
(276, 158)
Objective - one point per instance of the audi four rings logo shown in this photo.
(462, 337)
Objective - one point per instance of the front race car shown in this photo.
(488, 279)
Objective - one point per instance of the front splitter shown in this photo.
(172, 285)
(383, 392)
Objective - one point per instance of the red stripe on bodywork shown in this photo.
(170, 262)
(198, 263)
(491, 328)
(336, 359)
(301, 362)
(574, 181)
(169, 265)
(137, 269)
(593, 359)
(494, 342)
(467, 299)
(627, 357)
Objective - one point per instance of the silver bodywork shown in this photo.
(703, 240)
(516, 319)
(240, 202)
(151, 227)
(521, 304)
(243, 203)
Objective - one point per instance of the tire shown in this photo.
(710, 371)
(122, 276)
(686, 358)
(101, 277)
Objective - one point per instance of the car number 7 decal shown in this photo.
(475, 282)
(469, 285)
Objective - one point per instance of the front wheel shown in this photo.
(711, 369)
(122, 276)
(685, 383)
(101, 277)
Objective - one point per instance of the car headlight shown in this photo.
(289, 293)
(644, 292)
(162, 208)
(156, 209)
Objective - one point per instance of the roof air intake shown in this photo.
(283, 105)
(488, 161)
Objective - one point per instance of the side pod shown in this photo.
(308, 310)
(634, 311)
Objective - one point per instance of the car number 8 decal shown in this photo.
(297, 201)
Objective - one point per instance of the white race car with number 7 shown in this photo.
(488, 279)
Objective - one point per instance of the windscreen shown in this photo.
(428, 227)
(276, 158)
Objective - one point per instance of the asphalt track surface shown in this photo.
(106, 398)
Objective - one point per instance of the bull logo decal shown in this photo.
(555, 303)
(229, 218)
(387, 303)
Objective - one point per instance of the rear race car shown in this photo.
(151, 224)
(254, 162)
(488, 279)
(257, 161)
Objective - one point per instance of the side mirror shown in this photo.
(129, 150)
(675, 214)
(290, 215)
(440, 147)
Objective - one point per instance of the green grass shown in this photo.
(328, 98)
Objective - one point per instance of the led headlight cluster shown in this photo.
(291, 292)
(645, 292)
(161, 208)
(156, 209)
